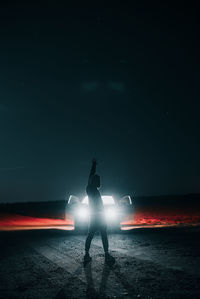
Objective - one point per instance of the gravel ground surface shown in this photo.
(150, 263)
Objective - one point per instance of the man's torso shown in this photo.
(95, 200)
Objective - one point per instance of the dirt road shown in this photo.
(150, 263)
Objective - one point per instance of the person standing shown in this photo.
(97, 216)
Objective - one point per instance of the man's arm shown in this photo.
(93, 170)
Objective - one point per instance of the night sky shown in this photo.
(119, 83)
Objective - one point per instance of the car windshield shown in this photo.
(107, 200)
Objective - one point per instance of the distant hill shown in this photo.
(56, 209)
(50, 209)
(165, 200)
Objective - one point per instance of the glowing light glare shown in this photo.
(107, 200)
(111, 215)
(83, 213)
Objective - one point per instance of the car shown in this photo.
(115, 210)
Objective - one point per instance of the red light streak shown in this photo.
(19, 222)
(140, 218)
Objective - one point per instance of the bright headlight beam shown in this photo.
(82, 213)
(111, 215)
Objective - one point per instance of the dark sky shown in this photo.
(120, 83)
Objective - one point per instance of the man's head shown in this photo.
(96, 181)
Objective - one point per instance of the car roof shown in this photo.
(107, 200)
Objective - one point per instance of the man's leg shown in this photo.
(110, 260)
(91, 232)
(89, 238)
(104, 238)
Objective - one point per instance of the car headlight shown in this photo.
(82, 213)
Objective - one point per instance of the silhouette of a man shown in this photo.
(97, 216)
